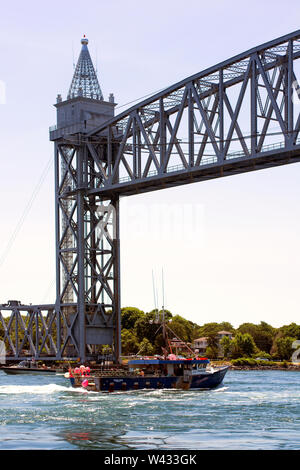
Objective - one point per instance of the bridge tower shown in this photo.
(87, 227)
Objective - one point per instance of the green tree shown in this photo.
(130, 343)
(243, 345)
(226, 326)
(248, 345)
(146, 328)
(211, 352)
(213, 349)
(286, 331)
(146, 348)
(226, 344)
(129, 316)
(182, 328)
(208, 328)
(262, 334)
(292, 330)
(212, 328)
(284, 347)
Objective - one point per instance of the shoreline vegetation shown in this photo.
(250, 346)
(241, 364)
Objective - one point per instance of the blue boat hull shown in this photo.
(211, 380)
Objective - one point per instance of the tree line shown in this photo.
(140, 334)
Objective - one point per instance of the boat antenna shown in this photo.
(154, 294)
(157, 308)
(163, 293)
(164, 325)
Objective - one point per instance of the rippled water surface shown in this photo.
(251, 410)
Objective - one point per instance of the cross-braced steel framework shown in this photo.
(240, 115)
(88, 268)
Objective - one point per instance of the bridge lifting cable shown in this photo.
(26, 211)
(137, 100)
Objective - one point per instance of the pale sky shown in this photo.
(237, 257)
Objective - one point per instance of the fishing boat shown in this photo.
(152, 373)
(28, 367)
(168, 371)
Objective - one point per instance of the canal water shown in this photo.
(250, 410)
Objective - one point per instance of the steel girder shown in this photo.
(240, 115)
(30, 331)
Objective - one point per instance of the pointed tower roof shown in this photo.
(85, 82)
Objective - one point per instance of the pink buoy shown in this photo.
(85, 383)
(172, 357)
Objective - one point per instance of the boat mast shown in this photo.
(163, 308)
(164, 325)
(161, 319)
(156, 320)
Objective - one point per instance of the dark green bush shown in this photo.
(250, 362)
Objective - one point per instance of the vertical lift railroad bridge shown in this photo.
(237, 116)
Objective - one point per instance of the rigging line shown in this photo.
(141, 98)
(48, 290)
(26, 211)
(154, 295)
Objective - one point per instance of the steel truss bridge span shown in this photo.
(240, 115)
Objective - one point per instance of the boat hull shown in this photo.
(211, 380)
(205, 380)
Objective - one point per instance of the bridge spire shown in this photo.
(85, 82)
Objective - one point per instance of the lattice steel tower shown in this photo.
(85, 82)
(87, 228)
